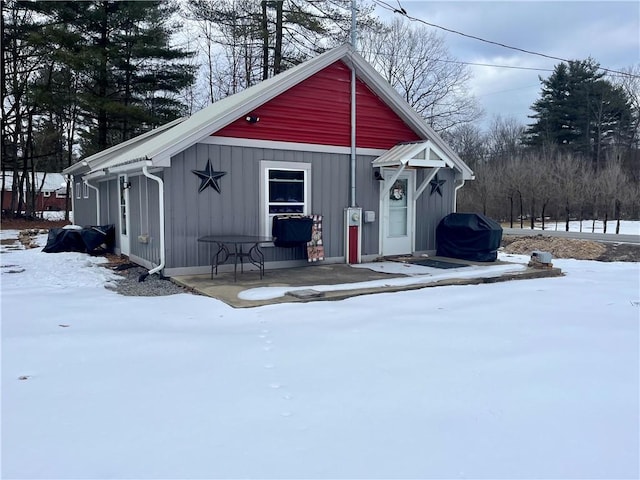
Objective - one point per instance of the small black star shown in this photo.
(436, 184)
(209, 177)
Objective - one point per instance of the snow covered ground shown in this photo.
(627, 227)
(524, 379)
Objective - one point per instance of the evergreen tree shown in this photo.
(129, 74)
(581, 111)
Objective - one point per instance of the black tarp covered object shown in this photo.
(468, 236)
(291, 231)
(92, 240)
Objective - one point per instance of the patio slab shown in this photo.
(317, 282)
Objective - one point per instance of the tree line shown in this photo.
(526, 186)
(578, 159)
(79, 77)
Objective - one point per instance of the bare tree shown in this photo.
(504, 138)
(610, 181)
(417, 63)
(565, 176)
(468, 141)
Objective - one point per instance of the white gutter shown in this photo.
(125, 167)
(93, 187)
(146, 173)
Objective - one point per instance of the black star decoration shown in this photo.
(436, 184)
(209, 177)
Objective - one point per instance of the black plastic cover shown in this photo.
(291, 231)
(92, 240)
(469, 236)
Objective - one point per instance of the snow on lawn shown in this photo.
(523, 379)
(627, 227)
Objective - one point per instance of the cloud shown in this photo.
(607, 31)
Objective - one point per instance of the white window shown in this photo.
(78, 191)
(46, 194)
(85, 190)
(286, 188)
(61, 194)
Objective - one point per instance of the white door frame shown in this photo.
(385, 245)
(124, 216)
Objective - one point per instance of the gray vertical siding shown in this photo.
(84, 209)
(190, 214)
(368, 198)
(430, 209)
(145, 218)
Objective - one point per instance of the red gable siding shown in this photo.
(318, 111)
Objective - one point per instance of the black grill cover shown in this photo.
(92, 240)
(469, 236)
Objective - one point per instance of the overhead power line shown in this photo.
(459, 62)
(401, 11)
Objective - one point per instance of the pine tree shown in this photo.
(581, 111)
(129, 74)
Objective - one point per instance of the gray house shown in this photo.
(328, 138)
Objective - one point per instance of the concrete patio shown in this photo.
(339, 281)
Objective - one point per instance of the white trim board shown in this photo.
(275, 145)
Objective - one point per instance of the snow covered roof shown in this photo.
(52, 181)
(158, 146)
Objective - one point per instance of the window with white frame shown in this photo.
(61, 194)
(46, 194)
(78, 191)
(85, 190)
(285, 191)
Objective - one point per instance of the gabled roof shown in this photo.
(414, 154)
(158, 146)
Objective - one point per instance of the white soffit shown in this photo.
(418, 154)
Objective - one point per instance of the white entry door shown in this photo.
(123, 189)
(397, 223)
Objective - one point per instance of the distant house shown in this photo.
(51, 190)
(328, 137)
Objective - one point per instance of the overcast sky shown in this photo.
(608, 31)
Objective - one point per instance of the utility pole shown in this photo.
(353, 24)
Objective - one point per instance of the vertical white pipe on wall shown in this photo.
(353, 107)
(157, 179)
(93, 187)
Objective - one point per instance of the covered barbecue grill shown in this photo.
(469, 236)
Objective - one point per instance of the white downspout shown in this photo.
(353, 104)
(93, 187)
(353, 136)
(455, 195)
(146, 173)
